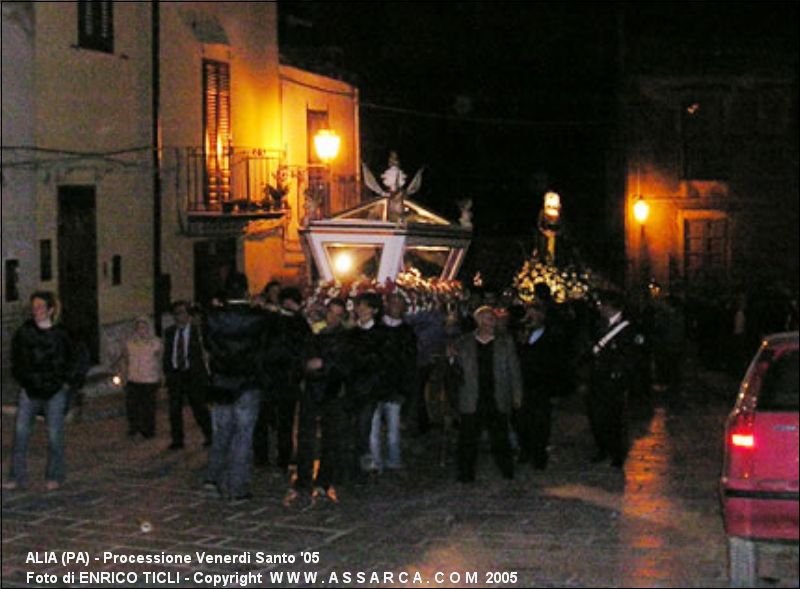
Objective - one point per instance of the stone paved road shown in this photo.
(657, 524)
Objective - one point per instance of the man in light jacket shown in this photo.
(491, 386)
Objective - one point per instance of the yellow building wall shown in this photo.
(252, 54)
(280, 255)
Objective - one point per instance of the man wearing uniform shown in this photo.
(613, 361)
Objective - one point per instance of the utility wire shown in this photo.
(479, 120)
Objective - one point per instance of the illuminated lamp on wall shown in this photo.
(641, 211)
(326, 144)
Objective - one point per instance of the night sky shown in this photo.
(501, 101)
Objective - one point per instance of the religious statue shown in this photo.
(394, 187)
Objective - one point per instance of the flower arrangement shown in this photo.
(565, 284)
(420, 293)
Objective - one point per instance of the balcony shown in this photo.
(224, 191)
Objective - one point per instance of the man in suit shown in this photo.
(186, 374)
(543, 365)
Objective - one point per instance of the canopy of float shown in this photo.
(362, 243)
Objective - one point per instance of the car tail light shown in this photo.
(741, 442)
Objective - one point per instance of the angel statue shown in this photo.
(394, 187)
(465, 205)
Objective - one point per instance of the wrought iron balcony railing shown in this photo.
(231, 180)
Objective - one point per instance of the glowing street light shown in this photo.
(326, 144)
(641, 210)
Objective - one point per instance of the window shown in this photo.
(217, 132)
(354, 261)
(779, 391)
(704, 153)
(430, 261)
(318, 178)
(12, 280)
(45, 260)
(116, 270)
(96, 25)
(706, 250)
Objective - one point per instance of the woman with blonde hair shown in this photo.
(141, 363)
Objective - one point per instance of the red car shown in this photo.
(759, 484)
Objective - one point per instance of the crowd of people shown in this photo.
(339, 387)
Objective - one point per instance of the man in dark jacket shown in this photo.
(235, 338)
(47, 364)
(542, 360)
(400, 383)
(323, 422)
(366, 378)
(614, 358)
(285, 357)
(185, 370)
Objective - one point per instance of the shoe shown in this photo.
(332, 495)
(52, 485)
(11, 486)
(243, 498)
(322, 493)
(209, 485)
(290, 497)
(175, 446)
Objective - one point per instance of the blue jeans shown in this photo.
(230, 461)
(54, 409)
(390, 412)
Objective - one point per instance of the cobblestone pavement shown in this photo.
(656, 524)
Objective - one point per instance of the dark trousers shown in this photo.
(469, 432)
(606, 408)
(415, 408)
(140, 407)
(277, 413)
(285, 407)
(361, 428)
(322, 433)
(185, 384)
(534, 421)
(265, 422)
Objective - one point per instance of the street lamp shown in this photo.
(549, 222)
(326, 147)
(326, 144)
(641, 212)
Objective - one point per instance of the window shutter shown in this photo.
(217, 131)
(96, 25)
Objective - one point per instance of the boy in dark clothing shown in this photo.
(366, 378)
(323, 420)
(285, 357)
(235, 336)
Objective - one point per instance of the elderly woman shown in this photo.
(142, 371)
(47, 364)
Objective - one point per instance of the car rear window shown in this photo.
(781, 388)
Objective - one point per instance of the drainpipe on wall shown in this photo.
(155, 91)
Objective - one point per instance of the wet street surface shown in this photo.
(656, 523)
